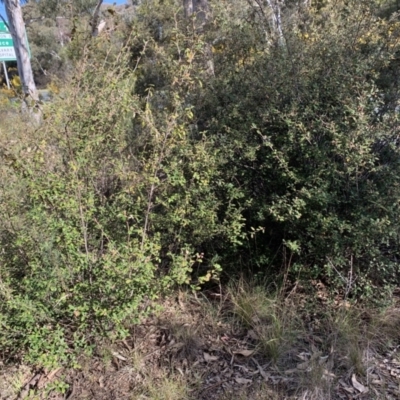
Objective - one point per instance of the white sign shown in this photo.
(7, 54)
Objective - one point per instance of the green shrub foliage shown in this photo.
(194, 149)
(311, 139)
(116, 200)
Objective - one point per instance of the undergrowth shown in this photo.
(202, 146)
(176, 353)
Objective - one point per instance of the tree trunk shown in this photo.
(201, 10)
(17, 29)
(198, 7)
(188, 8)
(95, 18)
(277, 20)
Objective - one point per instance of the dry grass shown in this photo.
(160, 385)
(13, 379)
(273, 322)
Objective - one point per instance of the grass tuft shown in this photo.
(273, 321)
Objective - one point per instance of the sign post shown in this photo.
(6, 74)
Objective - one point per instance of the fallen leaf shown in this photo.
(244, 353)
(252, 335)
(260, 369)
(53, 373)
(304, 356)
(117, 355)
(243, 381)
(346, 387)
(357, 385)
(290, 371)
(328, 374)
(303, 365)
(208, 357)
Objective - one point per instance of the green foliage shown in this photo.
(304, 137)
(194, 151)
(115, 202)
(319, 153)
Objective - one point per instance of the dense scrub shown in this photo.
(194, 147)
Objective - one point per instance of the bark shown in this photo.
(96, 18)
(277, 21)
(198, 7)
(188, 8)
(201, 10)
(17, 29)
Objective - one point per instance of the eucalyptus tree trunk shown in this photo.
(17, 29)
(96, 18)
(270, 12)
(275, 7)
(188, 7)
(201, 10)
(198, 7)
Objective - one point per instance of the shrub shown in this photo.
(115, 200)
(312, 145)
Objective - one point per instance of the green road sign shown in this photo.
(7, 52)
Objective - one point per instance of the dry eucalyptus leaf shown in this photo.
(322, 360)
(357, 385)
(243, 381)
(290, 371)
(263, 373)
(304, 356)
(208, 357)
(244, 353)
(328, 374)
(252, 335)
(117, 355)
(304, 365)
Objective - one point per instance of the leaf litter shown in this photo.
(214, 360)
